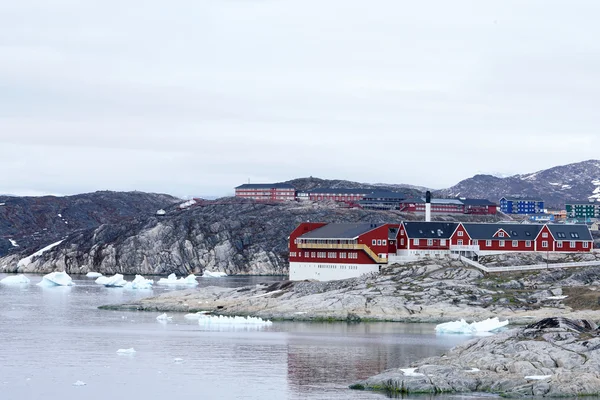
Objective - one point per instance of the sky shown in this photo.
(195, 97)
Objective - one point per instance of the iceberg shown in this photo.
(195, 316)
(112, 281)
(488, 325)
(217, 274)
(126, 351)
(93, 274)
(56, 279)
(221, 320)
(15, 280)
(163, 318)
(139, 283)
(79, 383)
(172, 280)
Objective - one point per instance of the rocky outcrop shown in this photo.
(554, 357)
(427, 292)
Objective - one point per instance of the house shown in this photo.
(583, 209)
(450, 206)
(342, 195)
(338, 251)
(424, 238)
(382, 200)
(515, 205)
(266, 191)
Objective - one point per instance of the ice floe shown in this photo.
(410, 372)
(111, 281)
(126, 351)
(178, 360)
(222, 320)
(164, 318)
(538, 377)
(216, 274)
(56, 279)
(27, 260)
(93, 274)
(172, 280)
(139, 283)
(15, 280)
(195, 316)
(79, 383)
(488, 325)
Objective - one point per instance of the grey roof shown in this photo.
(340, 231)
(582, 202)
(392, 233)
(265, 186)
(340, 191)
(570, 232)
(515, 231)
(478, 202)
(430, 230)
(385, 195)
(514, 198)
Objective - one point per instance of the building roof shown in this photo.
(430, 230)
(340, 231)
(340, 191)
(478, 202)
(265, 186)
(515, 231)
(385, 195)
(582, 202)
(570, 232)
(514, 198)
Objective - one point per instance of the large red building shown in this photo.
(451, 206)
(337, 251)
(266, 191)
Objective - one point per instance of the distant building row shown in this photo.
(365, 198)
(337, 251)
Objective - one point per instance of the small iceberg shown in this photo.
(139, 283)
(56, 279)
(221, 320)
(163, 318)
(172, 280)
(93, 274)
(196, 316)
(126, 351)
(410, 372)
(112, 281)
(79, 383)
(217, 274)
(488, 325)
(15, 280)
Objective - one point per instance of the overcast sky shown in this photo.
(196, 97)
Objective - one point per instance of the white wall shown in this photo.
(329, 271)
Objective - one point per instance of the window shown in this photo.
(545, 244)
(544, 234)
(475, 242)
(379, 242)
(488, 243)
(460, 233)
(306, 254)
(416, 242)
(429, 242)
(342, 255)
(572, 244)
(331, 254)
(383, 242)
(460, 242)
(585, 245)
(313, 254)
(401, 233)
(442, 242)
(500, 234)
(574, 235)
(373, 242)
(559, 244)
(528, 243)
(515, 243)
(501, 243)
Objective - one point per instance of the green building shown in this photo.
(583, 209)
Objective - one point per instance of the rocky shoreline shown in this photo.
(555, 357)
(421, 292)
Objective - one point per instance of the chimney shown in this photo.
(428, 206)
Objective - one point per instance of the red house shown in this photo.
(266, 191)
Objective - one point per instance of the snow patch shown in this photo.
(538, 377)
(2, 204)
(216, 274)
(488, 325)
(56, 279)
(410, 372)
(126, 351)
(13, 242)
(161, 212)
(187, 204)
(172, 280)
(554, 184)
(93, 274)
(556, 297)
(59, 215)
(15, 280)
(27, 260)
(566, 187)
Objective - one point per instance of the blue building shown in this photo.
(514, 205)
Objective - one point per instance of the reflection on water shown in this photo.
(54, 337)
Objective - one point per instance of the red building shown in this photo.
(451, 206)
(342, 195)
(266, 191)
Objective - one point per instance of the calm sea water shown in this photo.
(51, 338)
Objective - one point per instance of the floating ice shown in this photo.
(172, 280)
(488, 325)
(139, 283)
(195, 316)
(112, 281)
(410, 372)
(221, 320)
(79, 383)
(163, 318)
(93, 274)
(15, 280)
(126, 351)
(538, 377)
(216, 274)
(27, 260)
(56, 279)
(178, 360)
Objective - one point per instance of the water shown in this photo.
(51, 338)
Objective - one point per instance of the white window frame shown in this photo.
(442, 242)
(402, 242)
(475, 242)
(544, 234)
(379, 242)
(559, 244)
(429, 242)
(544, 244)
(415, 242)
(586, 245)
(488, 243)
(573, 244)
(500, 234)
(459, 233)
(384, 242)
(501, 243)
(374, 242)
(528, 243)
(515, 243)
(459, 242)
